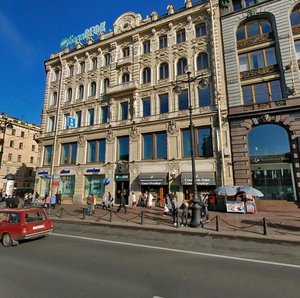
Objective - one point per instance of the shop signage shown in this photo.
(205, 178)
(48, 177)
(71, 122)
(235, 207)
(65, 172)
(94, 30)
(93, 170)
(55, 183)
(43, 173)
(121, 177)
(271, 159)
(153, 179)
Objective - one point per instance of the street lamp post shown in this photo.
(203, 84)
(5, 123)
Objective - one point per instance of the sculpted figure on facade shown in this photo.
(110, 136)
(134, 133)
(173, 128)
(81, 140)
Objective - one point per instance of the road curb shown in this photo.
(184, 231)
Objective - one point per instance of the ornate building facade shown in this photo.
(261, 52)
(19, 153)
(111, 121)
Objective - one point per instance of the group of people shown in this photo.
(52, 201)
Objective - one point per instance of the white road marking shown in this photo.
(178, 251)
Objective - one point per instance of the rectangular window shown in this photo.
(164, 103)
(123, 148)
(200, 30)
(261, 93)
(204, 97)
(104, 114)
(180, 36)
(78, 118)
(66, 122)
(19, 158)
(71, 70)
(275, 90)
(33, 148)
(107, 59)
(21, 146)
(31, 159)
(126, 52)
(13, 132)
(124, 110)
(155, 145)
(146, 47)
(297, 48)
(247, 95)
(203, 142)
(82, 67)
(48, 153)
(9, 158)
(183, 101)
(163, 42)
(96, 151)
(94, 64)
(91, 116)
(69, 153)
(11, 144)
(22, 134)
(51, 123)
(243, 59)
(146, 106)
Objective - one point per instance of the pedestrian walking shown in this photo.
(122, 202)
(185, 213)
(47, 201)
(53, 201)
(58, 198)
(150, 199)
(133, 200)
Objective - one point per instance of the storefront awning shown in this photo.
(153, 179)
(202, 178)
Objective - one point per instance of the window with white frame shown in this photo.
(200, 30)
(93, 89)
(51, 124)
(91, 116)
(107, 59)
(125, 77)
(69, 94)
(202, 61)
(180, 36)
(71, 70)
(78, 116)
(126, 52)
(105, 85)
(53, 99)
(181, 65)
(80, 92)
(66, 120)
(146, 75)
(163, 41)
(164, 71)
(94, 63)
(147, 47)
(82, 67)
(124, 110)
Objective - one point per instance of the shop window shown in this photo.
(262, 92)
(164, 71)
(94, 184)
(203, 141)
(67, 185)
(181, 66)
(155, 145)
(183, 100)
(123, 148)
(163, 41)
(69, 153)
(96, 151)
(146, 106)
(164, 103)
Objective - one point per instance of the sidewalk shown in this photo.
(280, 226)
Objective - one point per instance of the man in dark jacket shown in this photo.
(122, 202)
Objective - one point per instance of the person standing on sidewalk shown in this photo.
(174, 209)
(90, 204)
(58, 198)
(122, 202)
(133, 200)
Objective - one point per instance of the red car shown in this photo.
(19, 224)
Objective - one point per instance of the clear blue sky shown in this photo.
(30, 30)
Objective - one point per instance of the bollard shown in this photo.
(217, 224)
(83, 213)
(61, 212)
(142, 217)
(265, 226)
(110, 216)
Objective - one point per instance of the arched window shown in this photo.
(253, 28)
(202, 61)
(80, 92)
(163, 71)
(125, 77)
(69, 94)
(269, 150)
(146, 75)
(105, 85)
(295, 16)
(181, 65)
(93, 89)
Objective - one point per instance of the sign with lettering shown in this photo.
(72, 40)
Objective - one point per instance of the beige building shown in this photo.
(112, 122)
(19, 152)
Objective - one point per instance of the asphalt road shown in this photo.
(94, 261)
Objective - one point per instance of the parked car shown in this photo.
(20, 224)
